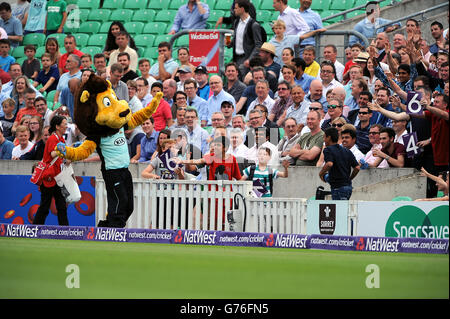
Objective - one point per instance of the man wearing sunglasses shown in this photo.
(335, 108)
(362, 129)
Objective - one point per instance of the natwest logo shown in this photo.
(199, 237)
(110, 234)
(290, 241)
(360, 245)
(382, 244)
(19, 231)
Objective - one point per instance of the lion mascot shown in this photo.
(102, 118)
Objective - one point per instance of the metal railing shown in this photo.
(345, 12)
(346, 34)
(413, 15)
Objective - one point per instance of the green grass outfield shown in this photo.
(36, 268)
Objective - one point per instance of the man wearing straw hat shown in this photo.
(267, 54)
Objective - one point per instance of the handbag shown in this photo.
(69, 186)
(41, 170)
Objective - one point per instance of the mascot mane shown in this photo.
(86, 112)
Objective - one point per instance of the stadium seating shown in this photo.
(158, 4)
(266, 5)
(122, 15)
(113, 4)
(155, 28)
(223, 4)
(18, 52)
(135, 4)
(144, 40)
(81, 39)
(37, 39)
(88, 4)
(104, 28)
(101, 15)
(39, 52)
(320, 5)
(144, 15)
(90, 27)
(134, 27)
(92, 50)
(165, 16)
(98, 39)
(342, 5)
(175, 4)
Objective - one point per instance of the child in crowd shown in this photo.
(86, 61)
(48, 77)
(8, 119)
(263, 176)
(56, 17)
(31, 66)
(5, 59)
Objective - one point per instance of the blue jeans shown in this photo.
(341, 193)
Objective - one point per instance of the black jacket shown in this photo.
(252, 39)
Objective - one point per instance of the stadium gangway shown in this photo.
(420, 14)
(221, 42)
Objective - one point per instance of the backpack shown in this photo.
(252, 173)
(262, 30)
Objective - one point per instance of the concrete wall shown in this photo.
(302, 181)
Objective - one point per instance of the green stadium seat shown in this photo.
(175, 4)
(182, 41)
(88, 4)
(224, 5)
(113, 4)
(101, 15)
(354, 14)
(158, 4)
(275, 15)
(151, 53)
(169, 28)
(135, 4)
(214, 15)
(360, 3)
(144, 15)
(134, 27)
(50, 95)
(122, 15)
(72, 25)
(21, 60)
(256, 3)
(266, 5)
(342, 5)
(162, 38)
(97, 40)
(37, 39)
(59, 37)
(165, 16)
(263, 16)
(140, 51)
(91, 50)
(90, 27)
(320, 5)
(81, 39)
(402, 198)
(39, 52)
(104, 28)
(84, 14)
(155, 28)
(144, 40)
(69, 2)
(295, 4)
(18, 52)
(211, 4)
(267, 26)
(384, 3)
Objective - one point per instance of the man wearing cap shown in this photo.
(247, 37)
(227, 109)
(267, 54)
(201, 76)
(184, 73)
(219, 95)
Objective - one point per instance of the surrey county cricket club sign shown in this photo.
(327, 217)
(204, 50)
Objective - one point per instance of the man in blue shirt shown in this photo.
(149, 141)
(201, 76)
(219, 95)
(11, 25)
(6, 146)
(313, 20)
(193, 15)
(301, 78)
(165, 64)
(369, 26)
(196, 135)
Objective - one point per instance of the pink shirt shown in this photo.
(162, 115)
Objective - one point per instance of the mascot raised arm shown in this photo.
(102, 118)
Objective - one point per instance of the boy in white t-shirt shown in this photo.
(22, 135)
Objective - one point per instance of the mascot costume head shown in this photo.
(102, 118)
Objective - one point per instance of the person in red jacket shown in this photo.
(49, 189)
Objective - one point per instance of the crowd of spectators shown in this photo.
(274, 101)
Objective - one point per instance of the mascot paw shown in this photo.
(61, 149)
(153, 105)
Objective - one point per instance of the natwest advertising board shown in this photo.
(204, 49)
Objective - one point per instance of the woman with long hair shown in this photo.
(163, 135)
(114, 30)
(36, 126)
(49, 189)
(184, 59)
(52, 48)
